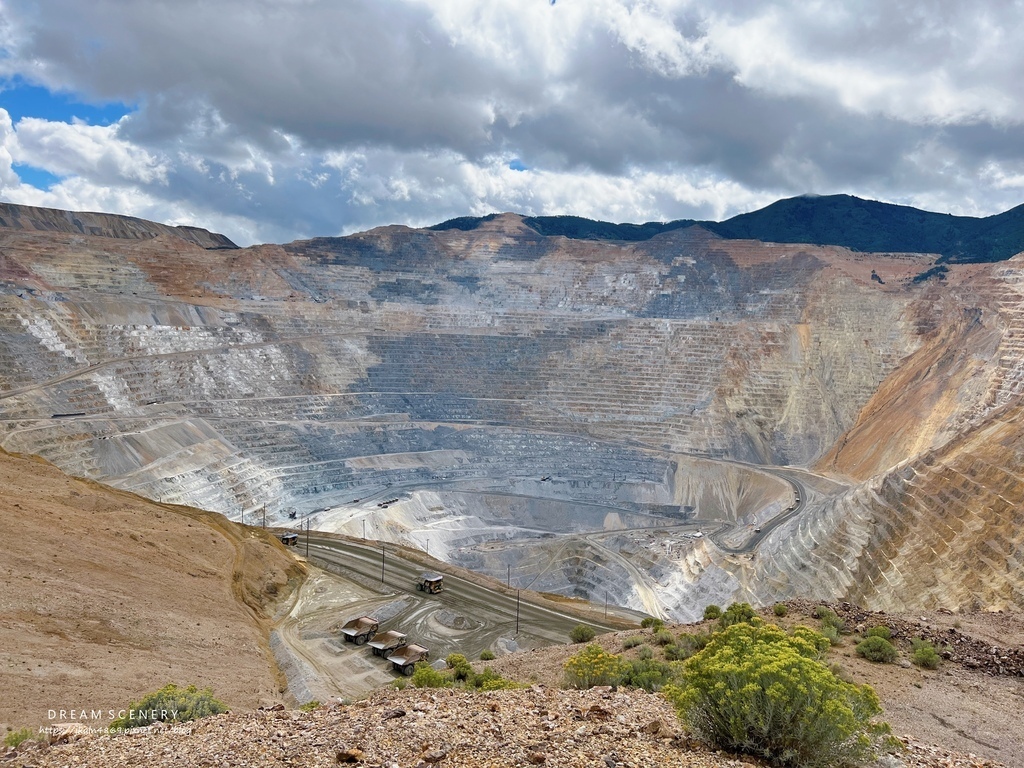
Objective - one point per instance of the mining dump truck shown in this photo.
(404, 659)
(290, 539)
(430, 582)
(360, 630)
(386, 643)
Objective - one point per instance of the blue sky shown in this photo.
(272, 121)
(21, 99)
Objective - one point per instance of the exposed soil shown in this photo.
(108, 596)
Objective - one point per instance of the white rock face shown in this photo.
(560, 411)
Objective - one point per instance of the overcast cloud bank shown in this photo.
(270, 121)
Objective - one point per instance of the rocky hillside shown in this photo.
(108, 596)
(589, 417)
(540, 726)
(966, 708)
(27, 218)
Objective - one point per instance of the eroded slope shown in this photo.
(107, 596)
(348, 379)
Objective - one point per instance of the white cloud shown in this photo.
(883, 57)
(276, 120)
(96, 151)
(8, 139)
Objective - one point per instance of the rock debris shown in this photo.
(440, 728)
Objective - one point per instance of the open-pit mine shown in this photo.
(663, 423)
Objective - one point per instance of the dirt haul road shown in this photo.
(467, 617)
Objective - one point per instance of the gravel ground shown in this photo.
(434, 729)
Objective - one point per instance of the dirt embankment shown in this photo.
(108, 596)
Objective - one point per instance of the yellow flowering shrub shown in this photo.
(594, 666)
(757, 690)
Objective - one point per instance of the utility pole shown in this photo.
(307, 539)
(508, 577)
(364, 529)
(517, 613)
(382, 562)
(606, 603)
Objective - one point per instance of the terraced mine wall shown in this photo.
(565, 409)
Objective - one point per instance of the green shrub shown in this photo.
(756, 690)
(780, 609)
(498, 683)
(400, 683)
(686, 646)
(17, 738)
(830, 618)
(677, 652)
(712, 612)
(881, 631)
(425, 676)
(632, 642)
(581, 633)
(170, 704)
(695, 642)
(594, 666)
(459, 665)
(309, 706)
(645, 653)
(736, 613)
(839, 671)
(486, 655)
(664, 637)
(489, 680)
(650, 622)
(648, 674)
(830, 632)
(877, 649)
(817, 640)
(924, 654)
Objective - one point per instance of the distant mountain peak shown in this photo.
(840, 219)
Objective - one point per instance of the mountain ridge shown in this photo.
(113, 225)
(861, 225)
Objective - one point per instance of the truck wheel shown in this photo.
(360, 639)
(419, 587)
(407, 670)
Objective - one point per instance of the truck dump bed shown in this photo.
(385, 643)
(405, 658)
(359, 630)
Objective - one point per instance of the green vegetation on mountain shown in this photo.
(862, 225)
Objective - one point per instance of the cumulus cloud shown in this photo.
(274, 120)
(95, 152)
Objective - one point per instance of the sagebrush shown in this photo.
(581, 633)
(877, 649)
(924, 654)
(18, 737)
(170, 704)
(594, 666)
(757, 690)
